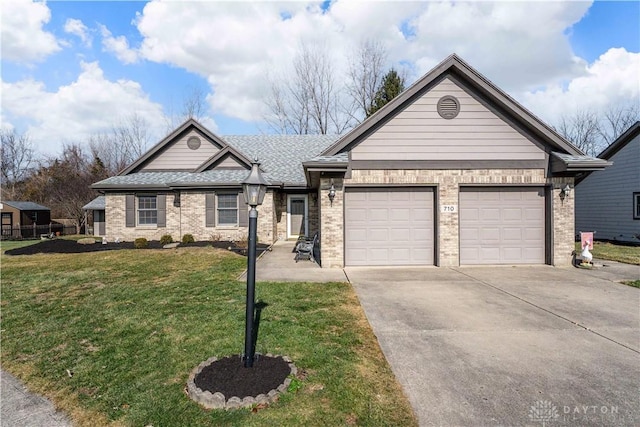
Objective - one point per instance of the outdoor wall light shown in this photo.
(332, 192)
(564, 192)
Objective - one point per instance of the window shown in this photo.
(227, 209)
(147, 210)
(636, 205)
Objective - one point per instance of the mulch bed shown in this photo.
(229, 376)
(64, 246)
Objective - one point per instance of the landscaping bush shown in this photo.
(140, 243)
(188, 238)
(166, 239)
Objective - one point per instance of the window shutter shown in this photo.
(161, 206)
(243, 213)
(210, 209)
(130, 210)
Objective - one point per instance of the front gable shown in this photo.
(186, 149)
(490, 131)
(186, 152)
(419, 132)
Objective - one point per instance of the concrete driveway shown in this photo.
(508, 345)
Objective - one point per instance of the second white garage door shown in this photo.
(389, 226)
(502, 226)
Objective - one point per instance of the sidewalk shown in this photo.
(279, 265)
(21, 408)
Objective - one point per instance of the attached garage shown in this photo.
(502, 225)
(389, 226)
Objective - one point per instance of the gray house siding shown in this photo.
(419, 133)
(179, 156)
(604, 199)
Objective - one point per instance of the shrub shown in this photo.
(242, 242)
(216, 237)
(188, 238)
(140, 243)
(166, 239)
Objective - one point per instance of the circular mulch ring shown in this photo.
(64, 246)
(227, 384)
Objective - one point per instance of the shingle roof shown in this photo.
(280, 157)
(97, 204)
(26, 206)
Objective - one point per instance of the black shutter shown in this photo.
(130, 210)
(161, 206)
(210, 209)
(243, 213)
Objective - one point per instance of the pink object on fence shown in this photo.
(586, 238)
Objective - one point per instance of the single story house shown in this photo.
(451, 172)
(21, 219)
(608, 201)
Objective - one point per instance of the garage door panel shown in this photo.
(510, 227)
(398, 226)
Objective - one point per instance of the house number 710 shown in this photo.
(449, 208)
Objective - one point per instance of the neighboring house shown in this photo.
(608, 202)
(451, 172)
(21, 219)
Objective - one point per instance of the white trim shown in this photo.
(304, 197)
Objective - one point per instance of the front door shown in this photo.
(297, 215)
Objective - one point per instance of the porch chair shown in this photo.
(305, 248)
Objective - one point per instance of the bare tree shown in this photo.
(194, 104)
(617, 119)
(307, 101)
(366, 71)
(17, 155)
(127, 141)
(593, 131)
(582, 130)
(64, 182)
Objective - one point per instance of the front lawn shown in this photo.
(614, 252)
(111, 338)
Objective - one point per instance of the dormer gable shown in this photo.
(227, 158)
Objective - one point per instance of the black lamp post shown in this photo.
(254, 188)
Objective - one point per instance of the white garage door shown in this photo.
(389, 226)
(502, 226)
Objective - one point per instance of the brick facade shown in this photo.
(447, 184)
(188, 218)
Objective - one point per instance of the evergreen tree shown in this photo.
(390, 87)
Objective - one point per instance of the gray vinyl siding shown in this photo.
(229, 162)
(419, 133)
(604, 199)
(178, 156)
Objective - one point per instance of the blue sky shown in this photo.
(74, 69)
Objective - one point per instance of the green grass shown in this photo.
(6, 245)
(634, 283)
(131, 326)
(613, 252)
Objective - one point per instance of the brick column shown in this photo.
(563, 223)
(331, 223)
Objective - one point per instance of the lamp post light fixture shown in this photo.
(254, 187)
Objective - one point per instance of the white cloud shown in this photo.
(611, 80)
(518, 45)
(119, 46)
(23, 38)
(77, 28)
(72, 113)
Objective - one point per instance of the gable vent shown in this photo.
(193, 142)
(448, 107)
